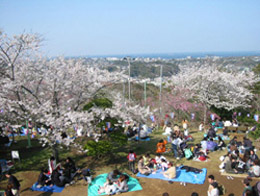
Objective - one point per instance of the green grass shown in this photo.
(36, 157)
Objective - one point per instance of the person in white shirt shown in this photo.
(204, 145)
(227, 123)
(255, 169)
(213, 186)
(143, 134)
(168, 130)
(201, 127)
(214, 191)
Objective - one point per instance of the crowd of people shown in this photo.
(57, 174)
(240, 159)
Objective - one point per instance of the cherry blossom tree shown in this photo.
(213, 86)
(52, 92)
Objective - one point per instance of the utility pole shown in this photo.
(129, 77)
(161, 70)
(124, 94)
(145, 93)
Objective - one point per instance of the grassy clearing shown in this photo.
(36, 157)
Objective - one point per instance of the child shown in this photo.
(164, 165)
(161, 146)
(131, 160)
(109, 188)
(158, 160)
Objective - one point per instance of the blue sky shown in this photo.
(104, 27)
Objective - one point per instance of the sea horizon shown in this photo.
(179, 55)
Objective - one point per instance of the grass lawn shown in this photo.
(36, 157)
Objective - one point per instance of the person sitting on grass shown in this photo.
(252, 157)
(58, 179)
(70, 170)
(113, 176)
(164, 165)
(143, 134)
(247, 144)
(212, 132)
(147, 159)
(168, 129)
(43, 179)
(241, 165)
(229, 164)
(159, 158)
(108, 188)
(142, 168)
(161, 146)
(225, 133)
(52, 164)
(221, 143)
(233, 143)
(171, 172)
(121, 184)
(204, 145)
(14, 182)
(211, 145)
(255, 169)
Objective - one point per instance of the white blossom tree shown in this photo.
(52, 91)
(213, 86)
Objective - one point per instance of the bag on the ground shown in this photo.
(135, 171)
(188, 153)
(221, 188)
(126, 177)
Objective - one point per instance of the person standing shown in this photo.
(201, 127)
(213, 186)
(131, 160)
(248, 189)
(12, 180)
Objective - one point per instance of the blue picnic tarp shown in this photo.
(181, 176)
(52, 189)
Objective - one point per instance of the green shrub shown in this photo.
(99, 102)
(247, 120)
(118, 138)
(98, 149)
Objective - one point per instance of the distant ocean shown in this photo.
(183, 55)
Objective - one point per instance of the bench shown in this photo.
(236, 129)
(238, 175)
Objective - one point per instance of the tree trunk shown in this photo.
(205, 114)
(55, 152)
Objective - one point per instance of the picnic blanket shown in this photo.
(133, 184)
(146, 139)
(222, 137)
(53, 189)
(182, 176)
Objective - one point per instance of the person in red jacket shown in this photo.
(131, 160)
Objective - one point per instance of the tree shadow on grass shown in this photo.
(45, 194)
